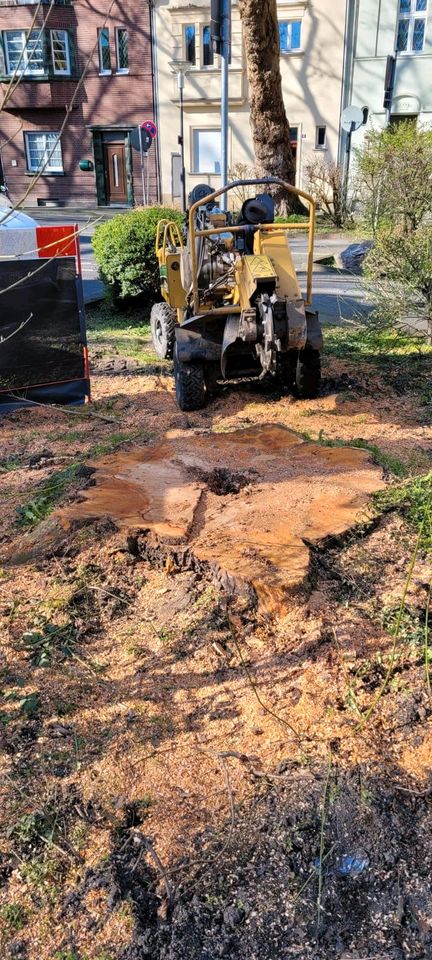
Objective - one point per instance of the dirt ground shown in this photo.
(189, 770)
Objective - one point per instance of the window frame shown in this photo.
(190, 26)
(119, 69)
(411, 16)
(23, 55)
(104, 71)
(320, 146)
(211, 65)
(47, 171)
(67, 72)
(289, 50)
(195, 151)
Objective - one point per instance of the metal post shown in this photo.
(181, 68)
(225, 51)
(347, 165)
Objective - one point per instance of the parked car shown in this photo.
(16, 219)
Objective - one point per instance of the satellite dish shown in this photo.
(352, 118)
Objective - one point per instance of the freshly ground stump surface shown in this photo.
(212, 745)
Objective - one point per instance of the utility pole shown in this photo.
(221, 39)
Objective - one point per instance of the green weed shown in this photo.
(66, 955)
(114, 441)
(29, 705)
(50, 641)
(413, 500)
(31, 513)
(10, 464)
(411, 627)
(14, 916)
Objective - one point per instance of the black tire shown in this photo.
(211, 373)
(308, 373)
(189, 385)
(286, 367)
(163, 323)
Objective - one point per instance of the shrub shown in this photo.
(124, 249)
(326, 185)
(400, 268)
(394, 169)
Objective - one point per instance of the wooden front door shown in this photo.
(115, 173)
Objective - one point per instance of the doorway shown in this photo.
(115, 172)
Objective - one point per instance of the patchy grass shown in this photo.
(375, 346)
(125, 334)
(413, 501)
(52, 490)
(14, 916)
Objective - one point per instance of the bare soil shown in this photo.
(188, 770)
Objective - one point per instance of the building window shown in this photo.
(43, 152)
(208, 56)
(122, 50)
(293, 135)
(104, 50)
(411, 27)
(189, 43)
(290, 35)
(60, 52)
(24, 52)
(320, 138)
(206, 151)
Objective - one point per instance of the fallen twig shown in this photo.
(322, 841)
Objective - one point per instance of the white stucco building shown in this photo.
(312, 34)
(376, 30)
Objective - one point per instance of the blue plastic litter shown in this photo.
(347, 865)
(351, 866)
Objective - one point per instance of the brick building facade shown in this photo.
(97, 159)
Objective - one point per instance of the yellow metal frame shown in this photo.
(273, 227)
(171, 231)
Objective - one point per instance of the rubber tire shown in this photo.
(163, 321)
(286, 368)
(189, 385)
(211, 373)
(308, 373)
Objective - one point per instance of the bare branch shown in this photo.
(14, 332)
(69, 109)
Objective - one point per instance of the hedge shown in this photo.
(124, 250)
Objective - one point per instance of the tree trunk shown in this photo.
(269, 124)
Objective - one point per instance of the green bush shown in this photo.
(124, 249)
(399, 267)
(394, 176)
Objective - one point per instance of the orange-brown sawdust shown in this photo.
(142, 711)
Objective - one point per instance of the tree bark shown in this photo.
(269, 124)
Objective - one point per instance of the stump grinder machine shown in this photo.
(232, 306)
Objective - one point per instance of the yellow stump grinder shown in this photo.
(232, 306)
